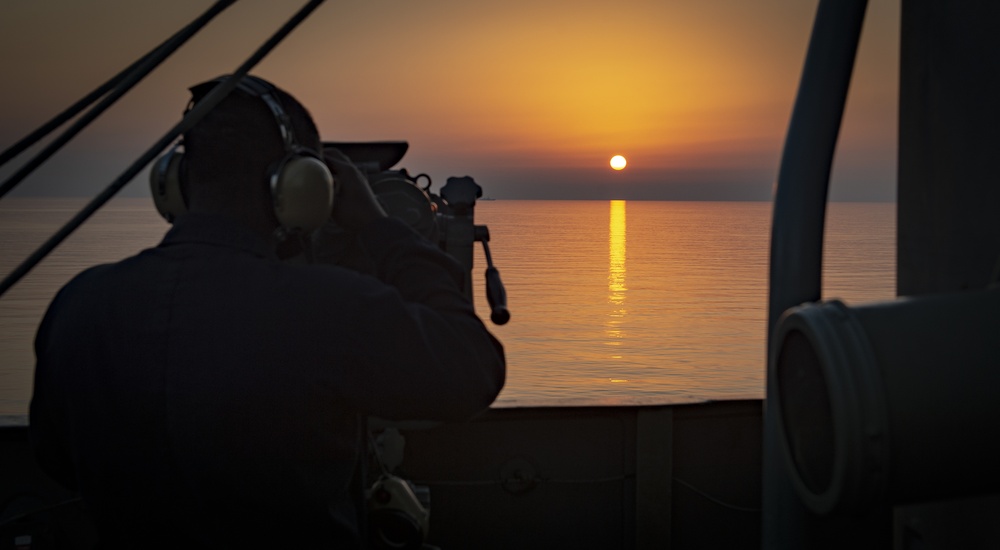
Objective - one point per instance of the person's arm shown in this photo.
(431, 353)
(426, 349)
(354, 203)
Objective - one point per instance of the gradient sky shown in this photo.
(530, 97)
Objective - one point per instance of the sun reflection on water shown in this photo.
(616, 276)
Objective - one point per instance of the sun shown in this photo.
(618, 162)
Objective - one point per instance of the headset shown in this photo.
(301, 183)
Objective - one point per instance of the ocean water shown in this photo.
(609, 300)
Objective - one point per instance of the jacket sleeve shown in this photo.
(432, 357)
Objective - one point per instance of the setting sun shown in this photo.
(618, 162)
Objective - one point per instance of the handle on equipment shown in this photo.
(495, 293)
(496, 296)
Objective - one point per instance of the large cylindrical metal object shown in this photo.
(889, 403)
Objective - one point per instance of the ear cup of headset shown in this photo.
(302, 192)
(165, 184)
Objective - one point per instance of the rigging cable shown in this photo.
(190, 119)
(119, 85)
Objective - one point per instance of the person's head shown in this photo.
(230, 154)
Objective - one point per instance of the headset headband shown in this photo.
(256, 87)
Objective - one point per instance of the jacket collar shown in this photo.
(199, 228)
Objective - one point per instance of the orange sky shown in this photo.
(529, 97)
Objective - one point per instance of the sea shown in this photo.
(611, 302)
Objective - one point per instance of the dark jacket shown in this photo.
(207, 394)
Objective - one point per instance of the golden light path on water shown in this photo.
(616, 280)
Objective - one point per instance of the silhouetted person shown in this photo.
(204, 393)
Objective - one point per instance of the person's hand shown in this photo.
(354, 204)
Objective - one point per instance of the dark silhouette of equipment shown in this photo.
(447, 219)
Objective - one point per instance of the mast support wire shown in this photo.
(192, 117)
(118, 86)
